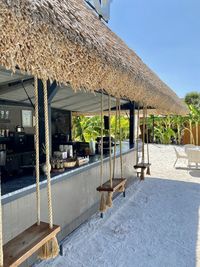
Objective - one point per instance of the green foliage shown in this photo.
(164, 130)
(193, 99)
(86, 128)
(173, 127)
(194, 113)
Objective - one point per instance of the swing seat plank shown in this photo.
(116, 184)
(142, 165)
(27, 243)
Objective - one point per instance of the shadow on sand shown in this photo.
(177, 218)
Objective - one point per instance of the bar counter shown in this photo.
(25, 183)
(75, 198)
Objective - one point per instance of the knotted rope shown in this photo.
(51, 248)
(101, 168)
(147, 134)
(120, 139)
(115, 146)
(102, 207)
(48, 169)
(143, 134)
(110, 194)
(137, 141)
(110, 145)
(37, 151)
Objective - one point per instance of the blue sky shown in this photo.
(166, 35)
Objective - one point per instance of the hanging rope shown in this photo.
(37, 152)
(115, 146)
(137, 141)
(122, 188)
(143, 134)
(51, 248)
(1, 228)
(147, 134)
(101, 168)
(110, 194)
(48, 169)
(120, 140)
(102, 207)
(110, 145)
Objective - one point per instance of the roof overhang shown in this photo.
(64, 41)
(12, 91)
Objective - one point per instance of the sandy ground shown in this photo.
(157, 224)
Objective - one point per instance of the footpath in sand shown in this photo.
(157, 224)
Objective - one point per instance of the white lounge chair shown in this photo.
(179, 155)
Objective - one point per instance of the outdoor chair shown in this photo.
(188, 146)
(179, 155)
(193, 157)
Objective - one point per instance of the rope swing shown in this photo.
(110, 194)
(142, 165)
(147, 135)
(122, 187)
(137, 141)
(103, 206)
(113, 184)
(44, 233)
(51, 248)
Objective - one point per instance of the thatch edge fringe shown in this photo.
(41, 48)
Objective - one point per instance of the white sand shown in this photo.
(157, 224)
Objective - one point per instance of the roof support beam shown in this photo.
(12, 86)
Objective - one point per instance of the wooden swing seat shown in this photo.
(117, 183)
(142, 165)
(27, 243)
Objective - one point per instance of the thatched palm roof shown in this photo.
(64, 40)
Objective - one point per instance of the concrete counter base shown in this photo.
(75, 199)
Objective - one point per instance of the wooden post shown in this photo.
(197, 133)
(191, 139)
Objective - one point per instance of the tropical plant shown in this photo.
(77, 131)
(193, 98)
(195, 114)
(163, 131)
(86, 128)
(179, 124)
